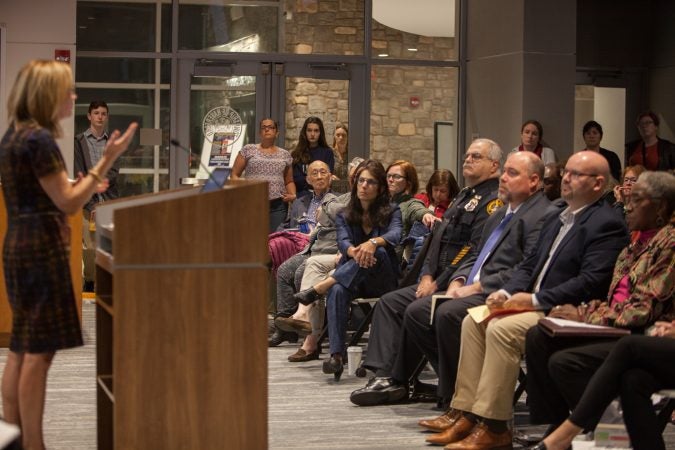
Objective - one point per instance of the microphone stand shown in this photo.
(176, 143)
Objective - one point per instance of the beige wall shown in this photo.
(32, 35)
(521, 65)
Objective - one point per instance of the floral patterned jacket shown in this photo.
(651, 274)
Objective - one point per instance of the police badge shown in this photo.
(471, 204)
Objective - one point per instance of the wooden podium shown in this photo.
(181, 283)
(75, 222)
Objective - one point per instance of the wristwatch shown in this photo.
(373, 241)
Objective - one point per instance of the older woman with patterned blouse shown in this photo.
(642, 291)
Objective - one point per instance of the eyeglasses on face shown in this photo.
(629, 180)
(368, 181)
(575, 174)
(474, 156)
(320, 172)
(268, 127)
(644, 123)
(395, 177)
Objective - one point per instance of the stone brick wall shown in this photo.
(401, 131)
(325, 99)
(398, 130)
(324, 27)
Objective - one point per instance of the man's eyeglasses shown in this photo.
(475, 156)
(575, 174)
(367, 181)
(316, 173)
(395, 177)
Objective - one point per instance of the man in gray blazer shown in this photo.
(508, 235)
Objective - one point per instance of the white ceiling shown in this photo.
(423, 17)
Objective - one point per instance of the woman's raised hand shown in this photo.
(118, 143)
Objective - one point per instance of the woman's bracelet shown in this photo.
(95, 175)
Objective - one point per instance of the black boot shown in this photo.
(280, 336)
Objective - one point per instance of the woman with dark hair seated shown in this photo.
(637, 367)
(642, 291)
(440, 190)
(368, 231)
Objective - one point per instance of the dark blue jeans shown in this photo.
(354, 282)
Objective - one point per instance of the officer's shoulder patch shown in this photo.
(493, 206)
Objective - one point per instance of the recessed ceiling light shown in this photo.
(412, 49)
(383, 55)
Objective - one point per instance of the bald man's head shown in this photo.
(319, 176)
(584, 179)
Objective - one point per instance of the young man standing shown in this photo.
(89, 147)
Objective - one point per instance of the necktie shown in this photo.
(488, 247)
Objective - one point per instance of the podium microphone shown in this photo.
(213, 180)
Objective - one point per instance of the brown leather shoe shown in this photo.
(458, 431)
(483, 439)
(302, 356)
(441, 423)
(293, 325)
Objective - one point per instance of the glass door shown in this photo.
(222, 102)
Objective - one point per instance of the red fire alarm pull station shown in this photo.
(62, 55)
(414, 102)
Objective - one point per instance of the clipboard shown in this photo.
(555, 327)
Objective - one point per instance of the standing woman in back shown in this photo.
(267, 162)
(340, 151)
(311, 146)
(38, 195)
(531, 135)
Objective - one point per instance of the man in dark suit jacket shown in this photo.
(572, 263)
(509, 234)
(445, 249)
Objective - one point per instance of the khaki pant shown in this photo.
(317, 268)
(489, 363)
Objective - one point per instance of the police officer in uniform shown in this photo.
(450, 241)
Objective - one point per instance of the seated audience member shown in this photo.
(368, 230)
(440, 190)
(303, 209)
(592, 133)
(635, 368)
(443, 252)
(552, 179)
(293, 235)
(650, 150)
(622, 192)
(322, 241)
(531, 135)
(642, 291)
(401, 182)
(294, 278)
(573, 259)
(508, 235)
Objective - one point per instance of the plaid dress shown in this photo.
(37, 246)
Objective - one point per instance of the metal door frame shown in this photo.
(270, 97)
